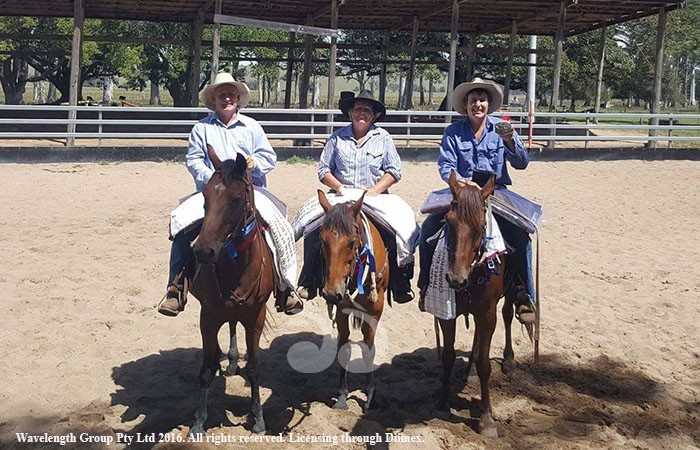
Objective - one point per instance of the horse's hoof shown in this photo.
(508, 366)
(259, 427)
(232, 370)
(488, 431)
(487, 427)
(442, 414)
(340, 405)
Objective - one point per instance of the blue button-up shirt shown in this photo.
(360, 166)
(460, 151)
(244, 135)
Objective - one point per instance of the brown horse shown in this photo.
(351, 246)
(478, 290)
(234, 279)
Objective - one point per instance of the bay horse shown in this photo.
(353, 250)
(234, 279)
(478, 289)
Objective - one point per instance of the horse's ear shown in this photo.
(489, 187)
(213, 157)
(323, 200)
(453, 183)
(357, 206)
(241, 164)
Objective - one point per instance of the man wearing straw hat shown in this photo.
(477, 144)
(228, 132)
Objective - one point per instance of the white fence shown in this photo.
(309, 126)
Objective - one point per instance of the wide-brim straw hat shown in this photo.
(461, 91)
(366, 96)
(221, 79)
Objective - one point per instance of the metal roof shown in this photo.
(538, 17)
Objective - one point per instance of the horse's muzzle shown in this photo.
(458, 283)
(333, 297)
(205, 255)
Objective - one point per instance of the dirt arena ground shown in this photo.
(84, 353)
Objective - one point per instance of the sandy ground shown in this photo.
(84, 253)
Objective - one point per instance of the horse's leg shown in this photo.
(252, 337)
(473, 354)
(508, 356)
(485, 325)
(442, 408)
(368, 350)
(209, 328)
(233, 354)
(343, 356)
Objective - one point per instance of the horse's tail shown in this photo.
(436, 324)
(530, 330)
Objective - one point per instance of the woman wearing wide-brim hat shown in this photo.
(362, 155)
(479, 143)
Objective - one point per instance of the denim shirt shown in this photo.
(244, 135)
(360, 166)
(460, 151)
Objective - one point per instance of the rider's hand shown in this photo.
(463, 182)
(371, 192)
(250, 162)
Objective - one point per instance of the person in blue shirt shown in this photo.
(361, 155)
(228, 132)
(481, 143)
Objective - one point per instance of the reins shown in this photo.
(246, 233)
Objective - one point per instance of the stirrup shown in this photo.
(288, 303)
(525, 310)
(173, 302)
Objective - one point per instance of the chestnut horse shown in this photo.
(477, 290)
(234, 279)
(353, 250)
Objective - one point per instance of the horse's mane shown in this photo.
(339, 219)
(468, 206)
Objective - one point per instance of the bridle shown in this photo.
(244, 234)
(480, 250)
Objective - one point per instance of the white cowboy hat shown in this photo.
(461, 91)
(226, 78)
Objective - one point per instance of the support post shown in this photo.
(306, 72)
(471, 56)
(453, 55)
(382, 75)
(334, 55)
(509, 68)
(658, 74)
(215, 44)
(693, 99)
(196, 56)
(76, 49)
(408, 92)
(601, 65)
(559, 48)
(290, 71)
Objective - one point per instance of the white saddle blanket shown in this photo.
(279, 235)
(439, 297)
(388, 209)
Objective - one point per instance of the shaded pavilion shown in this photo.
(556, 18)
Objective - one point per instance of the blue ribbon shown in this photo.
(231, 245)
(231, 248)
(365, 253)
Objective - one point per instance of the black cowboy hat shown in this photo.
(366, 96)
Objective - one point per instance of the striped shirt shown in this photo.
(360, 165)
(244, 135)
